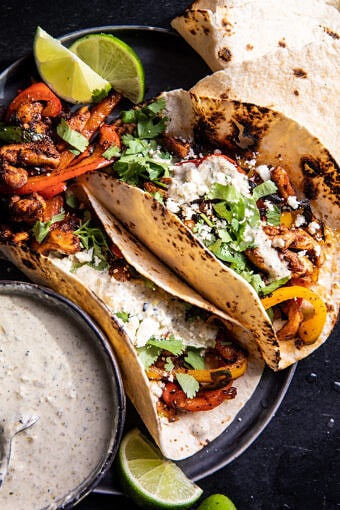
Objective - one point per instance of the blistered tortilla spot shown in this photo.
(282, 43)
(249, 47)
(225, 94)
(296, 92)
(299, 72)
(227, 26)
(225, 54)
(331, 33)
(28, 263)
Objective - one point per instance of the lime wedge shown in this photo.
(65, 73)
(151, 480)
(115, 61)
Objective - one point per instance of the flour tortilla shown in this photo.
(234, 31)
(276, 139)
(87, 288)
(294, 63)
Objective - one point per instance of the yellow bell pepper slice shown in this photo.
(310, 329)
(236, 370)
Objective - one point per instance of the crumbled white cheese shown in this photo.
(84, 256)
(190, 182)
(264, 172)
(299, 220)
(313, 227)
(151, 311)
(293, 202)
(268, 205)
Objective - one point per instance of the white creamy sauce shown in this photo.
(151, 311)
(48, 368)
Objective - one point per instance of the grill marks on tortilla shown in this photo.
(330, 32)
(249, 124)
(315, 169)
(299, 72)
(224, 54)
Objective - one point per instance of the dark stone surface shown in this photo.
(294, 464)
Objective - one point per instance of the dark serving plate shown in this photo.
(169, 63)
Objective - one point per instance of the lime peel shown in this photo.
(151, 480)
(64, 72)
(114, 60)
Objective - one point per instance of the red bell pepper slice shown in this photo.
(39, 183)
(52, 191)
(36, 92)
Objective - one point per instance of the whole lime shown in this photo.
(218, 501)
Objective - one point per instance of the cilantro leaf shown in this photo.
(194, 358)
(170, 344)
(112, 152)
(188, 384)
(72, 137)
(268, 289)
(99, 94)
(273, 216)
(148, 354)
(92, 239)
(42, 228)
(169, 365)
(263, 189)
(123, 316)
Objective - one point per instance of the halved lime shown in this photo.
(151, 480)
(115, 61)
(65, 73)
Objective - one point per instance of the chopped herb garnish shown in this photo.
(92, 239)
(123, 316)
(170, 344)
(188, 384)
(15, 134)
(112, 152)
(264, 189)
(153, 348)
(141, 158)
(72, 137)
(99, 94)
(42, 228)
(169, 364)
(268, 289)
(148, 355)
(71, 199)
(273, 216)
(194, 358)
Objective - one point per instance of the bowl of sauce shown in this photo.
(58, 371)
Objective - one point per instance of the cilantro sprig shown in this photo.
(241, 217)
(72, 137)
(42, 228)
(92, 239)
(154, 347)
(141, 158)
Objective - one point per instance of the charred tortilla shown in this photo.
(275, 140)
(96, 292)
(286, 61)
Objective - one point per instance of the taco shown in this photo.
(286, 65)
(187, 367)
(255, 232)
